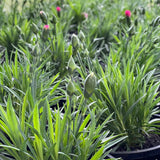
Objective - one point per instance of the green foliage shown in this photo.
(49, 108)
(15, 34)
(50, 134)
(27, 71)
(137, 46)
(131, 97)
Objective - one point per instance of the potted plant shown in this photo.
(129, 93)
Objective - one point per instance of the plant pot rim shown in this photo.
(138, 151)
(138, 154)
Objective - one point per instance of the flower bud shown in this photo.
(81, 36)
(81, 46)
(89, 85)
(46, 27)
(85, 15)
(86, 52)
(71, 65)
(143, 11)
(58, 10)
(135, 11)
(43, 17)
(70, 88)
(128, 13)
(136, 22)
(75, 41)
(45, 32)
(34, 28)
(54, 19)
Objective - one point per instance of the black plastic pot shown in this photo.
(152, 153)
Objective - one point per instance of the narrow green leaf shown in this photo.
(37, 141)
(98, 154)
(83, 125)
(57, 133)
(55, 87)
(16, 66)
(50, 123)
(24, 111)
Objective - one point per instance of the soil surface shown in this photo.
(150, 141)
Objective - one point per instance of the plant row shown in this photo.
(78, 80)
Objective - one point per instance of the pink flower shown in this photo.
(128, 13)
(58, 9)
(41, 12)
(46, 27)
(85, 15)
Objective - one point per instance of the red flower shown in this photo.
(58, 9)
(128, 13)
(46, 27)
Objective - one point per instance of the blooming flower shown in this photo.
(85, 14)
(46, 27)
(128, 13)
(58, 9)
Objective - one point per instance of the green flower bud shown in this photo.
(89, 85)
(71, 65)
(54, 19)
(143, 11)
(43, 17)
(34, 28)
(136, 22)
(70, 88)
(86, 52)
(81, 36)
(135, 11)
(75, 41)
(81, 46)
